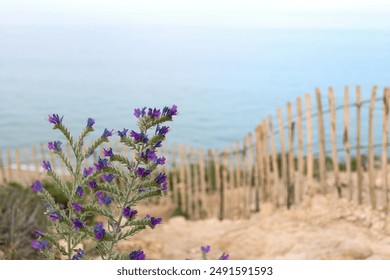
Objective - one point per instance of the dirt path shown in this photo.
(321, 228)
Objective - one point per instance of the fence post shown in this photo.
(371, 170)
(275, 166)
(223, 186)
(218, 186)
(9, 159)
(27, 161)
(238, 165)
(347, 145)
(385, 141)
(183, 188)
(321, 130)
(291, 163)
(3, 176)
(196, 184)
(282, 153)
(309, 171)
(358, 148)
(202, 167)
(335, 160)
(299, 189)
(260, 169)
(267, 167)
(188, 182)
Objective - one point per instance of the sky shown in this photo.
(359, 14)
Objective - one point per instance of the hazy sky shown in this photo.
(256, 13)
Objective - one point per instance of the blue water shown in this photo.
(224, 81)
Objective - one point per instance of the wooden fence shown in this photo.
(342, 149)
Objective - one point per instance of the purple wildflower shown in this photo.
(107, 133)
(224, 257)
(164, 187)
(55, 146)
(137, 255)
(77, 207)
(105, 200)
(90, 122)
(107, 153)
(54, 215)
(158, 144)
(154, 113)
(169, 112)
(92, 184)
(80, 191)
(160, 161)
(46, 165)
(79, 254)
(88, 171)
(55, 119)
(122, 133)
(155, 221)
(205, 249)
(149, 154)
(38, 233)
(140, 112)
(142, 172)
(139, 137)
(128, 213)
(108, 177)
(37, 186)
(161, 178)
(99, 231)
(102, 163)
(77, 224)
(40, 245)
(162, 130)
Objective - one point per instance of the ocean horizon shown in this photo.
(223, 80)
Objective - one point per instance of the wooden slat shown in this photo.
(283, 192)
(238, 165)
(223, 201)
(202, 166)
(300, 173)
(275, 166)
(385, 142)
(19, 173)
(267, 165)
(260, 191)
(174, 177)
(358, 146)
(250, 168)
(333, 135)
(321, 133)
(291, 163)
(371, 169)
(182, 185)
(2, 170)
(27, 173)
(35, 160)
(9, 161)
(217, 168)
(245, 175)
(260, 166)
(346, 142)
(195, 162)
(309, 144)
(188, 182)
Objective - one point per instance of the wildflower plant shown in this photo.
(110, 189)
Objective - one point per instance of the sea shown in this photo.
(224, 81)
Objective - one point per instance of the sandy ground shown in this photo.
(320, 228)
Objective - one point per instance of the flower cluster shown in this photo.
(206, 250)
(113, 182)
